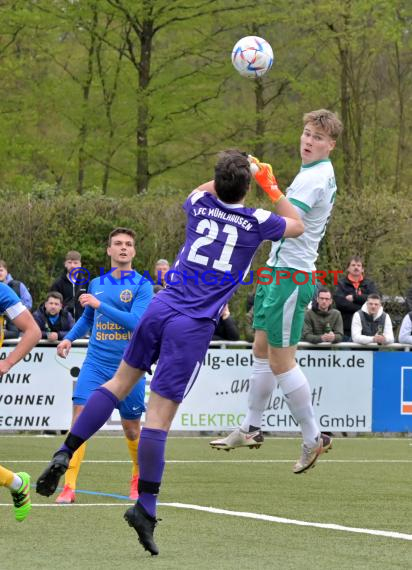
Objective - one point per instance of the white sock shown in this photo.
(296, 390)
(262, 383)
(16, 483)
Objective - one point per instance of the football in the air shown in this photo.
(252, 56)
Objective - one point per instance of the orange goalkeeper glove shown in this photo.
(264, 176)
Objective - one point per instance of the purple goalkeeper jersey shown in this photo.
(221, 240)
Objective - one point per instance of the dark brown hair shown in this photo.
(55, 295)
(232, 176)
(356, 258)
(118, 231)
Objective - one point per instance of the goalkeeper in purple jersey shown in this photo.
(222, 236)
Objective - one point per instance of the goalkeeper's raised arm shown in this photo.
(263, 175)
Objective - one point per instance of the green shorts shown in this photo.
(279, 307)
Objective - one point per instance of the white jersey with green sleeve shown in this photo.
(313, 192)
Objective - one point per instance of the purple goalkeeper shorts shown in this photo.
(179, 344)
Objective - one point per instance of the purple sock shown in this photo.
(151, 456)
(97, 411)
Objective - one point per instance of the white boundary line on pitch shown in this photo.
(216, 461)
(281, 520)
(255, 516)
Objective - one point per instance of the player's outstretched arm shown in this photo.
(63, 348)
(294, 223)
(294, 228)
(126, 319)
(83, 326)
(31, 336)
(263, 175)
(206, 187)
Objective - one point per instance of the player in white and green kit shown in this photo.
(279, 306)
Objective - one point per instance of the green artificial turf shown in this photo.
(362, 483)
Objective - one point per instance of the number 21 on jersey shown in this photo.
(211, 229)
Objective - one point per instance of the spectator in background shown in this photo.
(226, 328)
(161, 267)
(322, 322)
(69, 287)
(405, 333)
(18, 287)
(371, 323)
(352, 292)
(54, 321)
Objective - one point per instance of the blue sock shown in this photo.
(151, 458)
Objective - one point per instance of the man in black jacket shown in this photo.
(226, 328)
(352, 292)
(54, 321)
(69, 288)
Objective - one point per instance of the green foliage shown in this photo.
(376, 226)
(74, 87)
(39, 229)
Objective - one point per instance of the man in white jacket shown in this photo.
(405, 333)
(371, 323)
